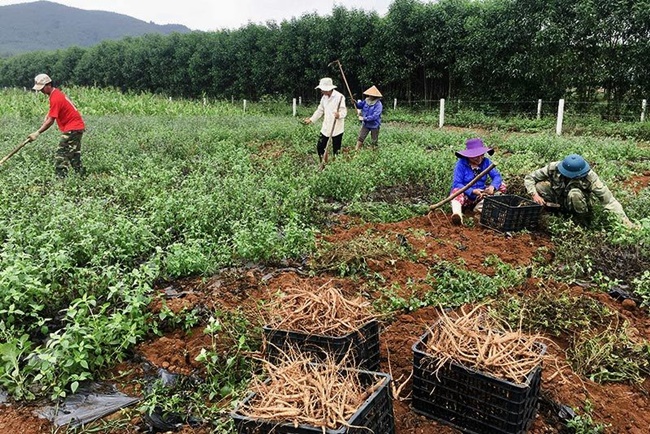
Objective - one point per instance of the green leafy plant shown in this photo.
(552, 312)
(584, 423)
(642, 287)
(352, 256)
(226, 367)
(454, 285)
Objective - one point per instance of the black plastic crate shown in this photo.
(361, 346)
(473, 401)
(509, 213)
(374, 416)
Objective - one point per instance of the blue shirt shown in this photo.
(371, 114)
(463, 174)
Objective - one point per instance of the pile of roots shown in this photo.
(481, 342)
(297, 391)
(318, 311)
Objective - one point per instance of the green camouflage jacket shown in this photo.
(590, 184)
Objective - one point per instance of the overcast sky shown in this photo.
(217, 14)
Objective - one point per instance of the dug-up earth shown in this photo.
(622, 407)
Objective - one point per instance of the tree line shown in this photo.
(503, 50)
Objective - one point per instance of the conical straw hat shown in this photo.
(373, 91)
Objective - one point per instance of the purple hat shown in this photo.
(474, 148)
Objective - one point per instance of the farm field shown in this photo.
(191, 217)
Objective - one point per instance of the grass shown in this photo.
(178, 188)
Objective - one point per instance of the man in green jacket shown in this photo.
(572, 184)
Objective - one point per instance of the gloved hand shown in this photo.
(33, 136)
(361, 118)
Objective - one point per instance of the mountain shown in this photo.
(44, 25)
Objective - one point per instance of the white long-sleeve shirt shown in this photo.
(327, 107)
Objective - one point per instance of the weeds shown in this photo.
(599, 349)
(226, 371)
(384, 212)
(554, 313)
(453, 285)
(610, 356)
(352, 257)
(584, 424)
(642, 287)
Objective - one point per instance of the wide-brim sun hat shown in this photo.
(473, 148)
(326, 84)
(373, 91)
(40, 81)
(573, 166)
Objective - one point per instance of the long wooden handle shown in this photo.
(16, 149)
(354, 103)
(462, 190)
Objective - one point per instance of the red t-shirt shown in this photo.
(66, 114)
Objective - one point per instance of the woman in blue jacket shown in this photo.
(471, 162)
(371, 109)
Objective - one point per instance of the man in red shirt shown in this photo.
(69, 122)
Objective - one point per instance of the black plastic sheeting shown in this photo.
(159, 420)
(91, 402)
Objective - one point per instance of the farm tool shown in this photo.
(16, 149)
(347, 86)
(462, 190)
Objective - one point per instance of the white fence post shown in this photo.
(442, 113)
(644, 103)
(205, 102)
(560, 117)
(232, 99)
(170, 99)
(300, 101)
(294, 107)
(539, 109)
(395, 104)
(244, 105)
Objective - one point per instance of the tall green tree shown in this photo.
(507, 50)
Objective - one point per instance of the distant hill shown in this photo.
(44, 25)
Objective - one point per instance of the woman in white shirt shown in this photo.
(332, 109)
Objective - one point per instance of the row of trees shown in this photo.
(484, 50)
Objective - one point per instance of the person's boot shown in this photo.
(457, 213)
(359, 145)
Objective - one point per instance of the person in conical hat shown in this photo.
(370, 110)
(333, 111)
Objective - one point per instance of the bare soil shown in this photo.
(623, 407)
